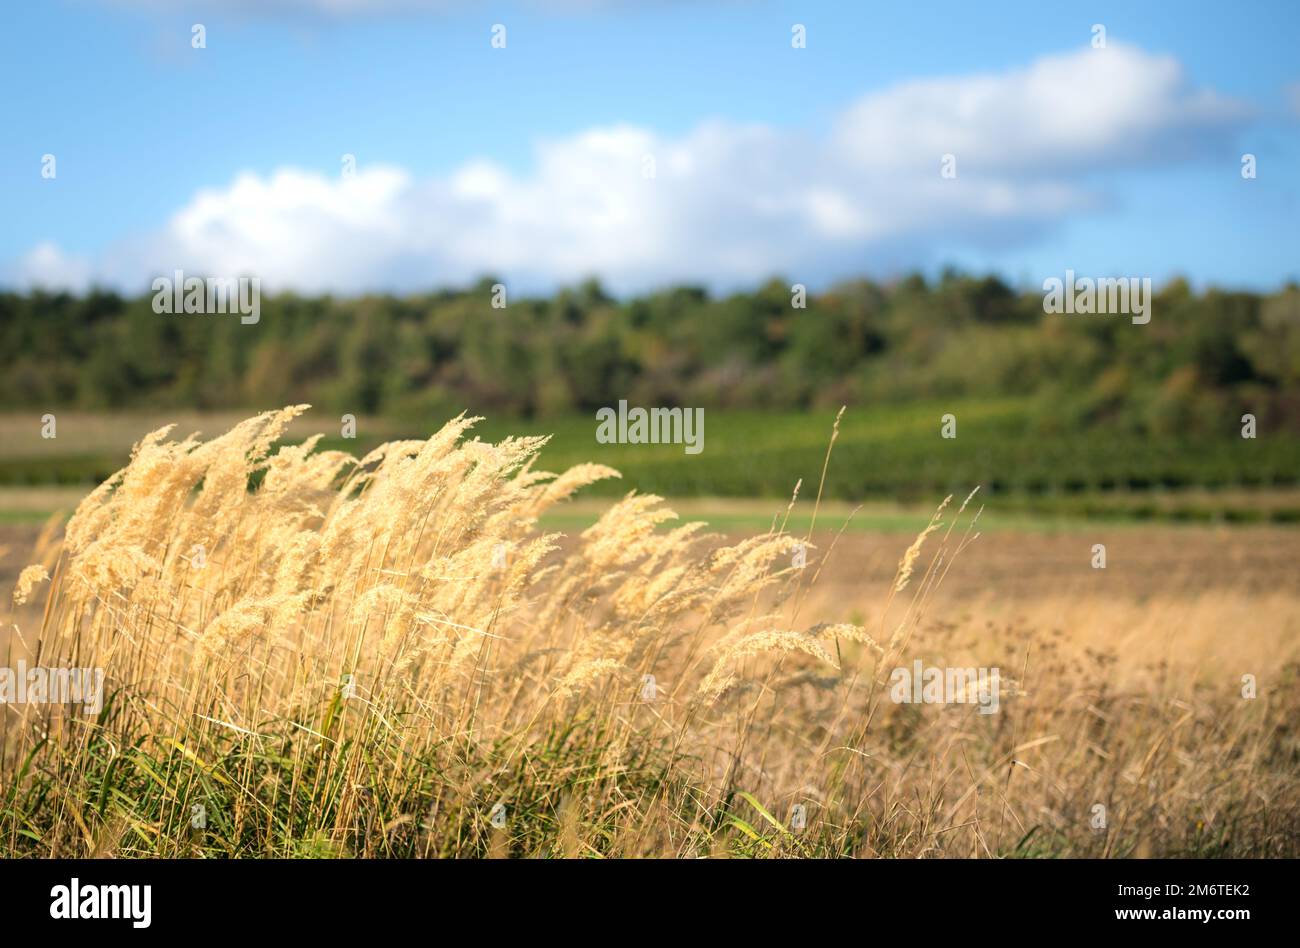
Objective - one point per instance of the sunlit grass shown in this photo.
(391, 656)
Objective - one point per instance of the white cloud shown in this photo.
(46, 266)
(728, 204)
(1088, 110)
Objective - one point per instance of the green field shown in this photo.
(889, 454)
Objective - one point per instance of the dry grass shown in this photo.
(365, 657)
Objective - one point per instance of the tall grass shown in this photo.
(317, 655)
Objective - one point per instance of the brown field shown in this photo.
(476, 683)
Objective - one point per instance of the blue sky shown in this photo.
(532, 162)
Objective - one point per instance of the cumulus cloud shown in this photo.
(724, 204)
(47, 266)
(1089, 110)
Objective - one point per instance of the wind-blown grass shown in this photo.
(312, 654)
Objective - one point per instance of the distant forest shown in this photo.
(1202, 361)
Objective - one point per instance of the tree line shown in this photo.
(1202, 360)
